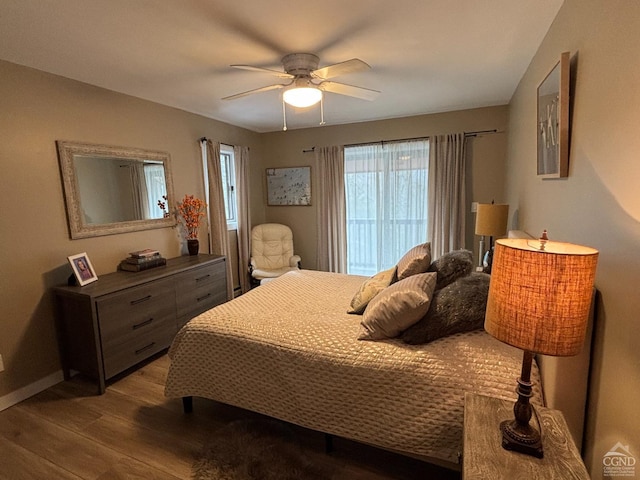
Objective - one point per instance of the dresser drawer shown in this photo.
(201, 289)
(136, 310)
(122, 353)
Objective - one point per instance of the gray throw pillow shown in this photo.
(459, 307)
(397, 307)
(451, 266)
(370, 288)
(416, 260)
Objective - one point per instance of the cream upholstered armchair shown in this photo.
(271, 252)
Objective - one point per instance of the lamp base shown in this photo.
(521, 438)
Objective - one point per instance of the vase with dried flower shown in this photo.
(191, 210)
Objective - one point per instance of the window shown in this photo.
(156, 190)
(227, 167)
(229, 185)
(386, 201)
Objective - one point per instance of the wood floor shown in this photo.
(134, 432)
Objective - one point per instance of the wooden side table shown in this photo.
(483, 455)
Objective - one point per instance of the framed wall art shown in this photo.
(553, 121)
(289, 186)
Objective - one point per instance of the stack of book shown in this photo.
(142, 260)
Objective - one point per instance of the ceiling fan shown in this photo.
(307, 81)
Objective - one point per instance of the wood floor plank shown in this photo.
(19, 463)
(52, 406)
(60, 446)
(129, 469)
(160, 450)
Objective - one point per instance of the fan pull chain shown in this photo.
(322, 110)
(284, 116)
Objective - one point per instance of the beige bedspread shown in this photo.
(289, 350)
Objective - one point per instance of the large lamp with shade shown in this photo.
(491, 221)
(540, 296)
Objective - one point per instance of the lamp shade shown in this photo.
(491, 219)
(302, 96)
(540, 295)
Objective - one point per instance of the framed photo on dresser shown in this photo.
(82, 268)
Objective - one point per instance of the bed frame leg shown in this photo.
(187, 404)
(328, 443)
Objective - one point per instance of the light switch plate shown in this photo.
(1, 364)
(474, 207)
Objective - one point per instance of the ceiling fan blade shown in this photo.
(256, 90)
(277, 73)
(349, 90)
(349, 66)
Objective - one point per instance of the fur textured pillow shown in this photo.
(459, 307)
(451, 266)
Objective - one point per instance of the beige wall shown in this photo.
(36, 110)
(599, 203)
(485, 161)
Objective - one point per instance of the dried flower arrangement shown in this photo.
(191, 210)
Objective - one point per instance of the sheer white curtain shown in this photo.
(446, 193)
(241, 159)
(386, 202)
(156, 189)
(332, 240)
(219, 237)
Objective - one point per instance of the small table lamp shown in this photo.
(491, 221)
(539, 301)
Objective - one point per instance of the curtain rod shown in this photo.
(204, 139)
(466, 134)
(482, 132)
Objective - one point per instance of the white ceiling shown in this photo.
(426, 56)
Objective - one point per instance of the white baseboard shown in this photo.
(30, 390)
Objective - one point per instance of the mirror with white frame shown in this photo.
(111, 190)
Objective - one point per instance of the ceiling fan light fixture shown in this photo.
(302, 97)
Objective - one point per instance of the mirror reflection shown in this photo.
(114, 189)
(117, 190)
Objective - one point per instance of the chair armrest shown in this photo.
(294, 261)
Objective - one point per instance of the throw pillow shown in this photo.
(370, 288)
(451, 266)
(398, 307)
(416, 260)
(458, 307)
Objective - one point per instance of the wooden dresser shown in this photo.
(124, 318)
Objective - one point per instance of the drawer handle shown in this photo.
(204, 297)
(142, 324)
(204, 277)
(140, 300)
(140, 350)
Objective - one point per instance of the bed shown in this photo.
(290, 350)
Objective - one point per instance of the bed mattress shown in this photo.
(289, 350)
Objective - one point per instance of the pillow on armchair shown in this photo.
(458, 307)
